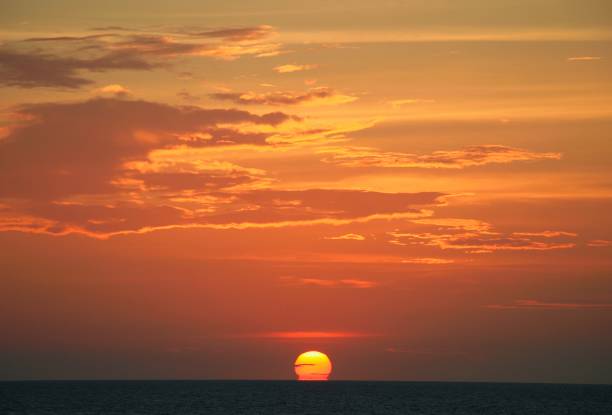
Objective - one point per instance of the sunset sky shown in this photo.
(205, 189)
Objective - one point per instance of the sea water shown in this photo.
(291, 397)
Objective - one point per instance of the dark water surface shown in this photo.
(289, 397)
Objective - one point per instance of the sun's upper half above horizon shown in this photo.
(312, 365)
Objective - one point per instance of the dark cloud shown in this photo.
(80, 148)
(109, 166)
(158, 45)
(66, 56)
(29, 70)
(175, 45)
(239, 34)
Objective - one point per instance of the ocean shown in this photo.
(291, 397)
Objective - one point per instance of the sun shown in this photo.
(312, 365)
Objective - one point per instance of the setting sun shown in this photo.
(312, 365)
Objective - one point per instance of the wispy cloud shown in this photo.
(444, 159)
(456, 223)
(330, 283)
(398, 103)
(113, 90)
(479, 237)
(599, 243)
(22, 64)
(239, 34)
(304, 335)
(416, 35)
(293, 68)
(428, 261)
(421, 352)
(584, 58)
(315, 96)
(347, 237)
(544, 305)
(187, 96)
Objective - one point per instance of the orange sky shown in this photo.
(421, 190)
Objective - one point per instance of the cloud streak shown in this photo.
(331, 283)
(315, 96)
(445, 159)
(239, 34)
(599, 243)
(304, 335)
(544, 305)
(347, 237)
(584, 58)
(289, 68)
(479, 237)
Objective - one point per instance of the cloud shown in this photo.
(315, 96)
(330, 203)
(65, 57)
(229, 44)
(347, 237)
(239, 34)
(113, 90)
(111, 28)
(397, 103)
(545, 234)
(30, 70)
(154, 45)
(66, 38)
(85, 219)
(361, 36)
(479, 242)
(331, 283)
(414, 351)
(479, 237)
(293, 68)
(456, 223)
(83, 147)
(584, 58)
(298, 335)
(453, 159)
(358, 283)
(428, 261)
(106, 167)
(185, 76)
(307, 133)
(543, 305)
(599, 243)
(187, 96)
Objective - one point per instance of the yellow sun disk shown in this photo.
(312, 365)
